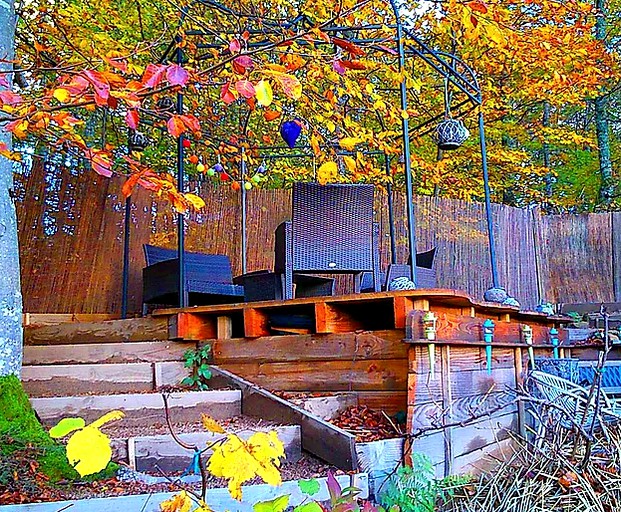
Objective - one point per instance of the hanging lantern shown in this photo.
(290, 131)
(488, 338)
(137, 141)
(165, 104)
(451, 133)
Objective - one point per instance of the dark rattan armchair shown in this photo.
(331, 232)
(208, 278)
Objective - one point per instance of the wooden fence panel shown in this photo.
(71, 238)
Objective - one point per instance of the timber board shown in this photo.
(111, 331)
(367, 375)
(319, 437)
(311, 347)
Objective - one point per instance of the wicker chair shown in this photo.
(331, 232)
(571, 405)
(208, 278)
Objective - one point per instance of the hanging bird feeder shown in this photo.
(450, 133)
(137, 141)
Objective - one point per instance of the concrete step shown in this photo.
(160, 453)
(97, 353)
(72, 379)
(141, 408)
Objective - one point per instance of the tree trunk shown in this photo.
(602, 129)
(10, 291)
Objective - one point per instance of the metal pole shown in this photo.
(125, 290)
(391, 213)
(243, 210)
(488, 204)
(180, 186)
(406, 149)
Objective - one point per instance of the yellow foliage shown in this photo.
(327, 172)
(211, 425)
(239, 461)
(178, 503)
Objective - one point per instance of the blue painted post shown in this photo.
(554, 340)
(488, 337)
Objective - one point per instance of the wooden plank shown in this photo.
(40, 319)
(141, 408)
(430, 414)
(330, 318)
(190, 326)
(137, 352)
(224, 328)
(482, 433)
(162, 453)
(169, 373)
(453, 327)
(390, 402)
(86, 378)
(369, 375)
(339, 346)
(484, 459)
(519, 381)
(322, 439)
(134, 329)
(447, 407)
(402, 307)
(256, 323)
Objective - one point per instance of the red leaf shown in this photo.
(10, 98)
(77, 85)
(101, 86)
(176, 126)
(3, 81)
(117, 63)
(243, 62)
(478, 7)
(245, 88)
(153, 75)
(131, 118)
(191, 122)
(353, 64)
(100, 162)
(226, 94)
(234, 46)
(353, 49)
(176, 75)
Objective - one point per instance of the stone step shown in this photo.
(97, 353)
(161, 453)
(72, 379)
(141, 408)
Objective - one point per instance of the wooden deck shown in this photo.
(370, 345)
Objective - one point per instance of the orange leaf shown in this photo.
(478, 7)
(270, 115)
(175, 126)
(131, 118)
(226, 94)
(355, 50)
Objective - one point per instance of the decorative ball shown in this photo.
(290, 131)
(451, 133)
(546, 308)
(235, 185)
(511, 301)
(224, 176)
(218, 167)
(261, 169)
(401, 283)
(186, 143)
(256, 178)
(496, 295)
(193, 159)
(200, 168)
(211, 172)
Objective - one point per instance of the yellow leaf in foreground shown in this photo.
(350, 163)
(178, 503)
(211, 425)
(195, 201)
(106, 418)
(88, 451)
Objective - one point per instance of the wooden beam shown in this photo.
(224, 328)
(447, 407)
(256, 323)
(190, 326)
(402, 307)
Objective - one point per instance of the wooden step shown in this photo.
(141, 408)
(112, 331)
(160, 452)
(138, 352)
(72, 379)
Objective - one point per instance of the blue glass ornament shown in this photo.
(290, 131)
(218, 167)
